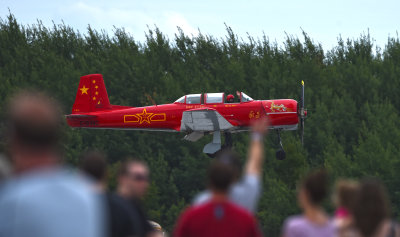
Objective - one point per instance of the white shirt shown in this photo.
(50, 203)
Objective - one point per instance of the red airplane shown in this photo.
(195, 114)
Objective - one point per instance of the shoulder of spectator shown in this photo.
(200, 198)
(183, 220)
(397, 228)
(292, 224)
(249, 217)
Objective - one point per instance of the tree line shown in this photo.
(352, 96)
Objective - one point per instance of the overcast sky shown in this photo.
(323, 20)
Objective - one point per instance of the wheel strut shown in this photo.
(280, 153)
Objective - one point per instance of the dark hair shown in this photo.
(34, 121)
(346, 193)
(316, 186)
(371, 208)
(124, 166)
(94, 165)
(223, 171)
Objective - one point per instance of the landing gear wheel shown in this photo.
(280, 154)
(228, 141)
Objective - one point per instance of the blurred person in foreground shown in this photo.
(344, 199)
(218, 216)
(313, 222)
(123, 220)
(43, 198)
(5, 169)
(246, 192)
(158, 231)
(93, 165)
(133, 183)
(372, 212)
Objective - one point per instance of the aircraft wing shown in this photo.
(203, 120)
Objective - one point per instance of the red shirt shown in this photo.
(220, 219)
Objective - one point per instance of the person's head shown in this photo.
(230, 98)
(33, 131)
(93, 164)
(158, 231)
(371, 207)
(223, 171)
(313, 189)
(345, 194)
(133, 179)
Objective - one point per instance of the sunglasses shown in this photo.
(140, 177)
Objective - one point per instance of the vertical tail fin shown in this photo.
(91, 95)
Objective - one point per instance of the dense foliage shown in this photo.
(352, 95)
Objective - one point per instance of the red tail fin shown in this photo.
(91, 95)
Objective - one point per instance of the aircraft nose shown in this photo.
(265, 106)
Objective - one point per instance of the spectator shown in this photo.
(218, 216)
(133, 182)
(371, 212)
(43, 199)
(314, 222)
(344, 200)
(4, 169)
(246, 192)
(158, 231)
(93, 164)
(122, 221)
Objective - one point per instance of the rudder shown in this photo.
(91, 95)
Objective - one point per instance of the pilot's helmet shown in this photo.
(230, 98)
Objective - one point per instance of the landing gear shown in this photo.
(212, 148)
(280, 153)
(228, 141)
(215, 145)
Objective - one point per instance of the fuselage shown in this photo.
(167, 117)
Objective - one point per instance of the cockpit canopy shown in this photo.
(211, 98)
(214, 98)
(193, 99)
(245, 98)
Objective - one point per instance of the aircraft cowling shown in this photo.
(282, 113)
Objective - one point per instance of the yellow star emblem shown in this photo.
(94, 98)
(84, 90)
(144, 117)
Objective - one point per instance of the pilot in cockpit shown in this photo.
(230, 98)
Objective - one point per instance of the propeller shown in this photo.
(302, 114)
